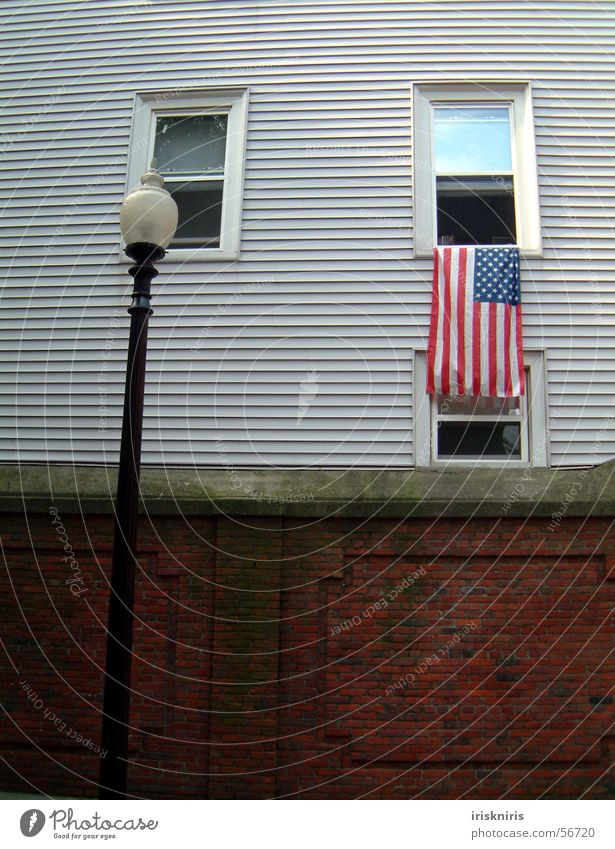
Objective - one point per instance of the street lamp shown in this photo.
(148, 221)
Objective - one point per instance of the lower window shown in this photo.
(450, 429)
(474, 428)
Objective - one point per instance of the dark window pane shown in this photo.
(200, 214)
(459, 440)
(193, 144)
(475, 210)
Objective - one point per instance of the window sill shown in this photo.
(460, 465)
(197, 255)
(524, 253)
(200, 255)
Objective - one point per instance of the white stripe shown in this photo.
(499, 347)
(469, 307)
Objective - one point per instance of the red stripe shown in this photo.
(446, 326)
(520, 352)
(433, 327)
(507, 363)
(476, 340)
(493, 349)
(461, 322)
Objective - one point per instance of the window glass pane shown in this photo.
(478, 405)
(472, 138)
(464, 440)
(190, 144)
(200, 214)
(475, 210)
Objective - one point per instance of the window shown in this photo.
(474, 178)
(475, 167)
(471, 428)
(197, 140)
(190, 151)
(481, 430)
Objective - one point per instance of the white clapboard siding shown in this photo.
(299, 354)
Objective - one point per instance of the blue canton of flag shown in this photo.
(496, 276)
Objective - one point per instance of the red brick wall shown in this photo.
(330, 659)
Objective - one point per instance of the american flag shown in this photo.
(475, 345)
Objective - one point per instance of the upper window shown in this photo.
(475, 167)
(197, 140)
(190, 152)
(475, 189)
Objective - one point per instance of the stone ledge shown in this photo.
(362, 493)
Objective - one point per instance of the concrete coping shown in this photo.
(451, 492)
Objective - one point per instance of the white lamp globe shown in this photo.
(149, 213)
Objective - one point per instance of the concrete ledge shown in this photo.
(422, 493)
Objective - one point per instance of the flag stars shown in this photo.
(496, 272)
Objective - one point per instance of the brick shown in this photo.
(243, 687)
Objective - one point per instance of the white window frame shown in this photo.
(521, 419)
(231, 101)
(518, 97)
(533, 422)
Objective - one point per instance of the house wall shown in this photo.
(326, 292)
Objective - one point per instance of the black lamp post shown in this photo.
(148, 222)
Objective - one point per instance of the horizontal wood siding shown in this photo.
(300, 353)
